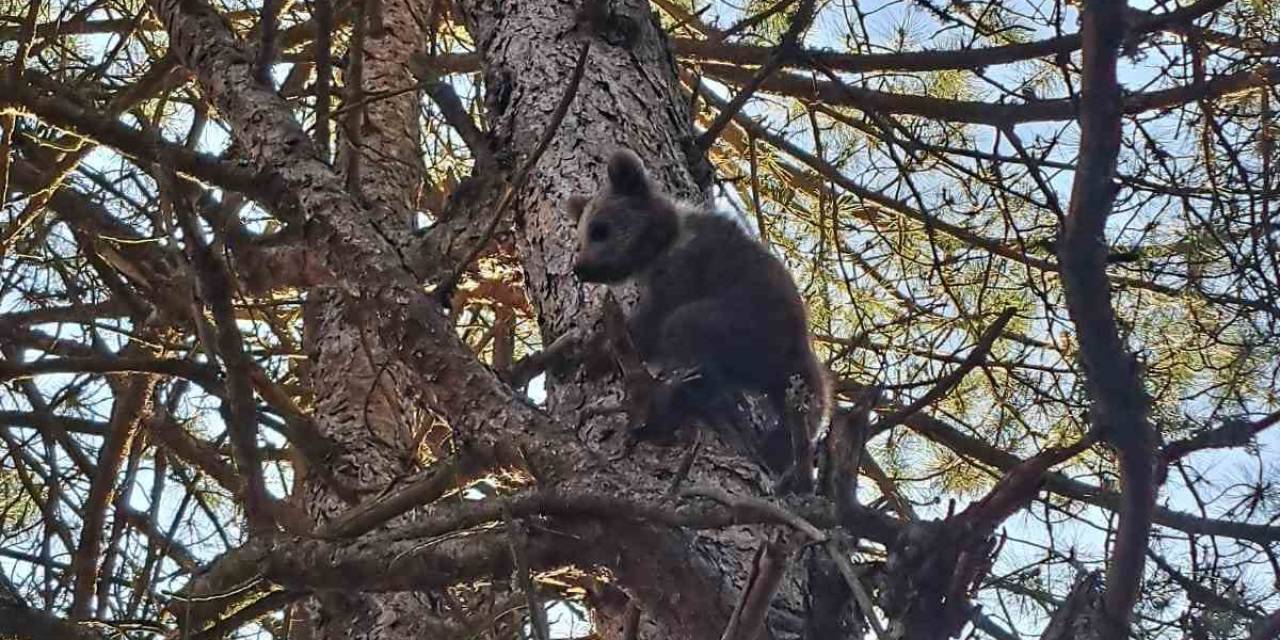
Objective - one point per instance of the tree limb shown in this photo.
(1119, 401)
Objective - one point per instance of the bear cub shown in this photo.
(717, 312)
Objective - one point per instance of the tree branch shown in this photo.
(1119, 401)
(1233, 432)
(836, 94)
(786, 49)
(239, 409)
(976, 356)
(145, 146)
(767, 569)
(716, 49)
(969, 446)
(132, 403)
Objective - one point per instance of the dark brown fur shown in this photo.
(713, 301)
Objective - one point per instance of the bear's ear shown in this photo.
(576, 205)
(626, 174)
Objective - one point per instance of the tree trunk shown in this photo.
(363, 399)
(629, 97)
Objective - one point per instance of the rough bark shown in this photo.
(630, 97)
(365, 400)
(1080, 617)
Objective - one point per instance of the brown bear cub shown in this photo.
(716, 311)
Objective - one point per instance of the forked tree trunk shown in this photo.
(686, 582)
(685, 585)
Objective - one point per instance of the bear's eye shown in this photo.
(598, 231)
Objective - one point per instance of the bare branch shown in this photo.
(215, 290)
(834, 93)
(517, 538)
(976, 357)
(1232, 433)
(1120, 404)
(146, 146)
(133, 402)
(786, 49)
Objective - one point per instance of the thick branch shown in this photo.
(1120, 403)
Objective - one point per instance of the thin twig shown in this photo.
(976, 357)
(452, 110)
(786, 49)
(759, 505)
(753, 20)
(754, 164)
(686, 465)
